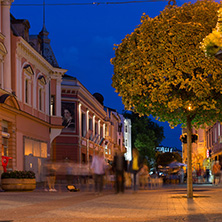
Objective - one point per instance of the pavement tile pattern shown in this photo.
(164, 204)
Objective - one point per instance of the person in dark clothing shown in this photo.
(135, 166)
(207, 175)
(119, 167)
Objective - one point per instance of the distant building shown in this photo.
(94, 126)
(199, 149)
(127, 135)
(214, 142)
(164, 149)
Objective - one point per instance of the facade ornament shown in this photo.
(6, 2)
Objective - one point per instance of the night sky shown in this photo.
(83, 36)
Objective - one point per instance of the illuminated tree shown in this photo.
(160, 69)
(146, 135)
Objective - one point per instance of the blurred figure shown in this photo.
(181, 174)
(51, 176)
(98, 167)
(135, 166)
(128, 178)
(119, 167)
(207, 175)
(69, 172)
(216, 172)
(144, 176)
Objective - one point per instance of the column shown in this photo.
(80, 131)
(18, 78)
(6, 4)
(58, 96)
(1, 168)
(87, 133)
(1, 73)
(0, 16)
(12, 145)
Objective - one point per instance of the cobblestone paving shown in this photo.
(166, 204)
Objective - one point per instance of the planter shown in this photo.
(12, 184)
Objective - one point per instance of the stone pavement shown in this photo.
(164, 204)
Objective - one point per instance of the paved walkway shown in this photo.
(164, 204)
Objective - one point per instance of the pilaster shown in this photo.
(12, 145)
(1, 168)
(6, 30)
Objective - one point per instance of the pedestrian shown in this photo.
(98, 168)
(181, 174)
(119, 167)
(69, 172)
(51, 176)
(207, 175)
(216, 172)
(144, 175)
(135, 167)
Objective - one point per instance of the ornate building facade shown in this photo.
(30, 98)
(88, 125)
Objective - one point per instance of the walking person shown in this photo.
(119, 167)
(98, 168)
(144, 175)
(135, 167)
(216, 172)
(51, 176)
(181, 174)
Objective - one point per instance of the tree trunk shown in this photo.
(189, 160)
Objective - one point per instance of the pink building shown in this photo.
(30, 93)
(88, 125)
(214, 141)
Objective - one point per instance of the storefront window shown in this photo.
(36, 148)
(5, 137)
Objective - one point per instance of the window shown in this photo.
(90, 128)
(52, 105)
(120, 128)
(4, 138)
(215, 135)
(28, 76)
(41, 91)
(125, 142)
(36, 148)
(96, 128)
(83, 125)
(40, 99)
(101, 132)
(27, 91)
(83, 157)
(126, 128)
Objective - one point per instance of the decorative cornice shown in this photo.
(3, 50)
(6, 2)
(2, 37)
(25, 50)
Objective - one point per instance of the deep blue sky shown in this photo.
(83, 36)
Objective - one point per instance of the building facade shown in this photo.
(88, 125)
(214, 142)
(30, 94)
(199, 150)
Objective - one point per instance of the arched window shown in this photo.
(28, 76)
(41, 92)
(40, 99)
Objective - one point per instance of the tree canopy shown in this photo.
(146, 135)
(160, 69)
